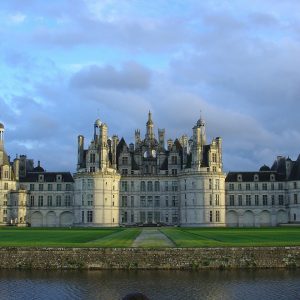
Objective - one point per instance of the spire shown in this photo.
(149, 127)
(149, 118)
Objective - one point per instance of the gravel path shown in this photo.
(152, 237)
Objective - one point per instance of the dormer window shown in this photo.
(239, 177)
(272, 177)
(41, 178)
(58, 178)
(125, 160)
(256, 178)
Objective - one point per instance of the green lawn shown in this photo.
(63, 237)
(233, 237)
(121, 237)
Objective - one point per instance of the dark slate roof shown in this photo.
(48, 177)
(204, 162)
(164, 165)
(249, 176)
(189, 161)
(120, 147)
(134, 165)
(265, 168)
(295, 172)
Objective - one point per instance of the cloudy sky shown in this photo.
(66, 63)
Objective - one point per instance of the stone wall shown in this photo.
(138, 258)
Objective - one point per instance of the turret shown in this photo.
(103, 146)
(161, 138)
(16, 166)
(80, 150)
(115, 142)
(97, 130)
(137, 138)
(199, 141)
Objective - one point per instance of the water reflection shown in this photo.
(241, 284)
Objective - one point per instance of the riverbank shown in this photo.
(141, 258)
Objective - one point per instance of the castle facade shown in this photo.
(149, 182)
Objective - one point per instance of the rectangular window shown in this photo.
(174, 186)
(167, 201)
(68, 200)
(143, 186)
(142, 217)
(166, 186)
(280, 186)
(272, 186)
(210, 199)
(125, 160)
(59, 186)
(295, 199)
(231, 200)
(256, 199)
(132, 186)
(174, 201)
(295, 185)
(217, 184)
(174, 160)
(256, 186)
(248, 200)
(240, 199)
(149, 186)
(143, 201)
(50, 186)
(124, 171)
(82, 217)
(90, 216)
(49, 200)
(58, 200)
(214, 157)
(31, 200)
(217, 200)
(132, 201)
(174, 171)
(239, 186)
(40, 201)
(231, 186)
(5, 185)
(217, 216)
(124, 201)
(280, 200)
(273, 200)
(68, 187)
(124, 186)
(210, 216)
(92, 158)
(41, 187)
(210, 183)
(31, 187)
(264, 187)
(247, 186)
(157, 201)
(149, 201)
(265, 200)
(156, 186)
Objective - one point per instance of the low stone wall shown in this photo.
(138, 258)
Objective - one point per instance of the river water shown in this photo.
(238, 284)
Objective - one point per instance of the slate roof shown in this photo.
(249, 176)
(48, 177)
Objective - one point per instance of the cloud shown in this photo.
(131, 76)
(17, 18)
